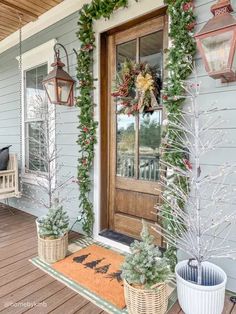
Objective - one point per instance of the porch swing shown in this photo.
(9, 178)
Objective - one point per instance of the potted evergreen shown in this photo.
(53, 234)
(145, 275)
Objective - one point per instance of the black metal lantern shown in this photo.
(59, 85)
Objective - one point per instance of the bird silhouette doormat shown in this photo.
(97, 269)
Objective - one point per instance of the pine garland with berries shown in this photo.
(96, 10)
(179, 66)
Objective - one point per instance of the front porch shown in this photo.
(25, 288)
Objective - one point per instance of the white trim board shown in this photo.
(59, 12)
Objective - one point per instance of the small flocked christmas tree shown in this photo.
(55, 224)
(144, 267)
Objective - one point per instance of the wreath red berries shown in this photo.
(137, 88)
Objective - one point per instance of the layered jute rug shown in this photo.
(93, 270)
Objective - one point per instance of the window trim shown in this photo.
(43, 54)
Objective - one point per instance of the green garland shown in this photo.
(96, 10)
(179, 65)
(182, 23)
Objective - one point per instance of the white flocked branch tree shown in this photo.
(201, 230)
(44, 159)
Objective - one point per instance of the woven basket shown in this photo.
(54, 250)
(152, 301)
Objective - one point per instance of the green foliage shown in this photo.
(55, 224)
(150, 133)
(144, 266)
(180, 58)
(87, 126)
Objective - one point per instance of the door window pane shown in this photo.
(149, 145)
(151, 52)
(125, 158)
(126, 51)
(125, 146)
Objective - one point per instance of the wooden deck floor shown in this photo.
(24, 288)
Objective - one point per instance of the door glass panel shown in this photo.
(149, 145)
(126, 51)
(125, 146)
(125, 124)
(151, 52)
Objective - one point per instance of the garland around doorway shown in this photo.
(183, 46)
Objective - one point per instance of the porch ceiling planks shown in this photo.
(27, 10)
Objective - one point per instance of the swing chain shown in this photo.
(21, 103)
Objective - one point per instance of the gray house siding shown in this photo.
(66, 122)
(214, 93)
(66, 118)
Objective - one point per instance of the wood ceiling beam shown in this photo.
(19, 9)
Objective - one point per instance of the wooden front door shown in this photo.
(134, 141)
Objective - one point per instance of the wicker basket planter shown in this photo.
(52, 250)
(140, 301)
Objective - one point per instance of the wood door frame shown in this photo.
(105, 78)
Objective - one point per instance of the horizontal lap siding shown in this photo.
(66, 118)
(223, 96)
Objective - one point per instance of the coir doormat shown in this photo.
(94, 272)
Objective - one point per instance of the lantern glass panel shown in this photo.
(51, 90)
(63, 90)
(217, 50)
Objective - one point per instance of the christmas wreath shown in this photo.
(137, 88)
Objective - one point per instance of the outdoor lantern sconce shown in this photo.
(217, 42)
(58, 84)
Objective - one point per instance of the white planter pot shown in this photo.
(201, 299)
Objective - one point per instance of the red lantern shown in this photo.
(58, 84)
(217, 42)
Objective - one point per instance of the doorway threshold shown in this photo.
(116, 236)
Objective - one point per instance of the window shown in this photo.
(35, 110)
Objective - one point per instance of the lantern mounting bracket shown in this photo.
(57, 54)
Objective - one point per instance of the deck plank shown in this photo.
(228, 305)
(53, 302)
(36, 298)
(233, 310)
(14, 266)
(175, 309)
(12, 299)
(89, 308)
(72, 305)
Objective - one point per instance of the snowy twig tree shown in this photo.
(201, 230)
(43, 158)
